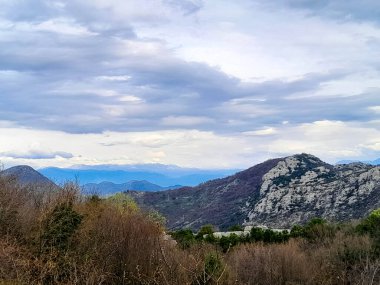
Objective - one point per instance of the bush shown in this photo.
(236, 228)
(272, 264)
(371, 226)
(185, 238)
(59, 226)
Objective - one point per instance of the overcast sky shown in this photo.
(207, 84)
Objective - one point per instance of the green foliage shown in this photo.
(124, 202)
(185, 238)
(371, 226)
(316, 229)
(157, 217)
(213, 267)
(257, 234)
(297, 231)
(316, 221)
(268, 235)
(210, 238)
(205, 230)
(227, 242)
(59, 226)
(236, 228)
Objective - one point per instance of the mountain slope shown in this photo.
(217, 202)
(277, 193)
(105, 187)
(27, 176)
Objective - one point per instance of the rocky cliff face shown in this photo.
(302, 187)
(277, 193)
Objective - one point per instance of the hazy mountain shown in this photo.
(26, 175)
(373, 162)
(277, 193)
(157, 174)
(105, 187)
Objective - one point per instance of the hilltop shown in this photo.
(277, 193)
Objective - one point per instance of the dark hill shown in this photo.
(27, 176)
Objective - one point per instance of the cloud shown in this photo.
(36, 154)
(262, 132)
(232, 69)
(343, 10)
(375, 109)
(184, 121)
(329, 140)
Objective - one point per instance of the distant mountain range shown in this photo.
(107, 188)
(277, 193)
(163, 175)
(27, 176)
(373, 162)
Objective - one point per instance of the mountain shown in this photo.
(277, 193)
(373, 162)
(27, 176)
(105, 187)
(157, 174)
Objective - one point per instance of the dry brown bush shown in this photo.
(125, 247)
(259, 264)
(347, 259)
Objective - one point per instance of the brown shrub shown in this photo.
(272, 264)
(347, 259)
(126, 247)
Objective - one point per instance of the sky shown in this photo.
(194, 83)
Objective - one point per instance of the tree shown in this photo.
(206, 230)
(59, 226)
(185, 238)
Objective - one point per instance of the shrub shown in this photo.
(59, 226)
(272, 264)
(236, 228)
(185, 238)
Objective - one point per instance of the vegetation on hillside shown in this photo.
(60, 237)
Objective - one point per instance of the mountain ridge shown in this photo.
(107, 188)
(371, 162)
(165, 178)
(278, 193)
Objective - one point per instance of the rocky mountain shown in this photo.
(277, 193)
(27, 176)
(106, 188)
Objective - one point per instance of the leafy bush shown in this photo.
(185, 238)
(59, 226)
